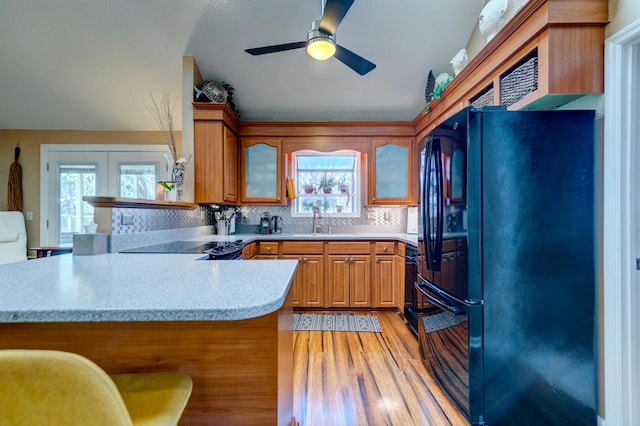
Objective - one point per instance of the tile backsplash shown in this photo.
(131, 227)
(372, 219)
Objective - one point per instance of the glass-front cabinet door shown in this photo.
(391, 180)
(262, 175)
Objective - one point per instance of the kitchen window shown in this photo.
(330, 181)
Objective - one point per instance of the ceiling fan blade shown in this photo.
(276, 48)
(334, 11)
(353, 61)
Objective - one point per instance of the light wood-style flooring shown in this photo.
(348, 378)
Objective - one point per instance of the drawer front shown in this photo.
(246, 252)
(385, 247)
(348, 248)
(448, 245)
(302, 247)
(401, 249)
(268, 247)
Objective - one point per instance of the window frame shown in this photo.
(358, 186)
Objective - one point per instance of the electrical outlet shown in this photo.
(387, 216)
(29, 216)
(127, 219)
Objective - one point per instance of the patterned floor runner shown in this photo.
(336, 322)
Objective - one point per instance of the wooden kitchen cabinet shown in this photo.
(348, 275)
(215, 157)
(385, 276)
(267, 250)
(261, 171)
(308, 284)
(391, 172)
(348, 281)
(307, 288)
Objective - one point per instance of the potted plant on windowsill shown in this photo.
(327, 182)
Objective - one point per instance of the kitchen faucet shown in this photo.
(317, 225)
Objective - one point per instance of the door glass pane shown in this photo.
(392, 162)
(76, 181)
(137, 180)
(261, 171)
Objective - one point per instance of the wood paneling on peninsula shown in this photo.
(242, 370)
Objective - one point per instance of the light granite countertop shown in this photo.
(338, 236)
(141, 287)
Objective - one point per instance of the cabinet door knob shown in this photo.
(300, 259)
(346, 259)
(304, 259)
(377, 259)
(385, 248)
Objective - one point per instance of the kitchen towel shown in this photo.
(291, 189)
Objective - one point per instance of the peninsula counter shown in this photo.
(225, 323)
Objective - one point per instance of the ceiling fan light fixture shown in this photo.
(320, 45)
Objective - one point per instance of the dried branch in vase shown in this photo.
(162, 112)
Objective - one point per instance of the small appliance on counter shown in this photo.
(265, 224)
(276, 224)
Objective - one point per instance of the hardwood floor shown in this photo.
(349, 378)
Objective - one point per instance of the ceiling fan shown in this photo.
(321, 39)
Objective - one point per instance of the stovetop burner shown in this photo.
(215, 247)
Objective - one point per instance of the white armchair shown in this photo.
(13, 237)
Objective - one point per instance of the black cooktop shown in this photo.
(189, 247)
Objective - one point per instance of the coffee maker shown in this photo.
(265, 224)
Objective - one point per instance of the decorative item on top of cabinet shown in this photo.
(261, 171)
(391, 175)
(215, 147)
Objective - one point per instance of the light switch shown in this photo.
(29, 215)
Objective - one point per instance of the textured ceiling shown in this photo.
(92, 64)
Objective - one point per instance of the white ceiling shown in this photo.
(92, 64)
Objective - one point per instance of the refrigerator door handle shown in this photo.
(426, 205)
(440, 303)
(440, 205)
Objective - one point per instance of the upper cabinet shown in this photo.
(390, 172)
(261, 171)
(215, 148)
(548, 54)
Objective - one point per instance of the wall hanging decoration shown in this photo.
(14, 187)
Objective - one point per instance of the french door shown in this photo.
(70, 172)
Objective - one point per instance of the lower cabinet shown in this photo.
(340, 275)
(348, 281)
(308, 287)
(308, 284)
(384, 282)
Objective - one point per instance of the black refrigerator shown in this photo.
(507, 262)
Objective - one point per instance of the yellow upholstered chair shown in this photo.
(42, 387)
